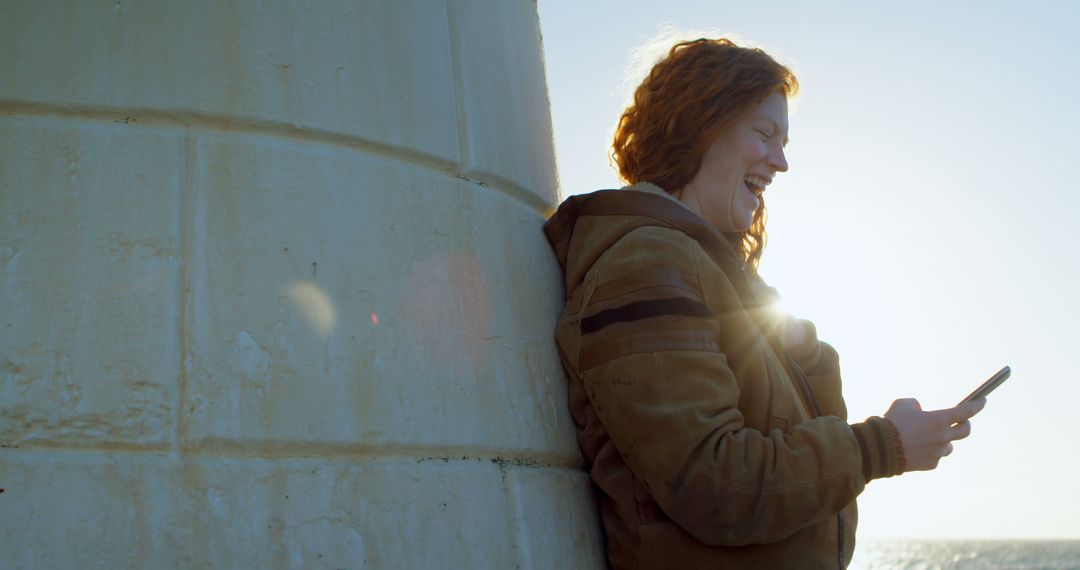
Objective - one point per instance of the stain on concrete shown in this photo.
(246, 358)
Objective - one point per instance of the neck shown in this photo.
(690, 200)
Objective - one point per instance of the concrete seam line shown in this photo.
(195, 119)
(300, 451)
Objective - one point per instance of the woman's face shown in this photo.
(738, 166)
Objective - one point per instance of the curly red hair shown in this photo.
(688, 97)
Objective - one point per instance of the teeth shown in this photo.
(757, 182)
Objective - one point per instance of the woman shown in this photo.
(713, 427)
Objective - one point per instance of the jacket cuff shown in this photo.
(881, 448)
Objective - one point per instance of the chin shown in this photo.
(745, 223)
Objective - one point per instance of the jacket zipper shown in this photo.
(840, 539)
(805, 385)
(809, 394)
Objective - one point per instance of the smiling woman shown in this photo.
(665, 141)
(927, 224)
(713, 425)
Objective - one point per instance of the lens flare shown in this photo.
(314, 305)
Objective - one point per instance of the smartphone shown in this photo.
(989, 386)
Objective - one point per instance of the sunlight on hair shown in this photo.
(652, 49)
(314, 305)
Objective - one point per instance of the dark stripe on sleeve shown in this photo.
(863, 449)
(880, 439)
(644, 310)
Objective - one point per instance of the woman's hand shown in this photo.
(927, 436)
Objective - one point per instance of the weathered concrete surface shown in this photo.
(273, 290)
(377, 70)
(63, 510)
(89, 266)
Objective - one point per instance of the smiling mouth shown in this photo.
(756, 184)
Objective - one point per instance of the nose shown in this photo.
(777, 160)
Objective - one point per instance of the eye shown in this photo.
(763, 133)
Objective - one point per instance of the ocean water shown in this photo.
(966, 554)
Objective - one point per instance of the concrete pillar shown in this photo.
(273, 290)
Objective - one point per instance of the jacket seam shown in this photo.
(770, 490)
(590, 288)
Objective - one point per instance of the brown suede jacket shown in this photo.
(711, 444)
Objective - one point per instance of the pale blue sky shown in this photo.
(927, 225)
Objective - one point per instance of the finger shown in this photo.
(908, 403)
(962, 412)
(960, 431)
(947, 450)
(975, 406)
(903, 405)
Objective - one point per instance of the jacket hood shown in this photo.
(585, 226)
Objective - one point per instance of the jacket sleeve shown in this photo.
(670, 402)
